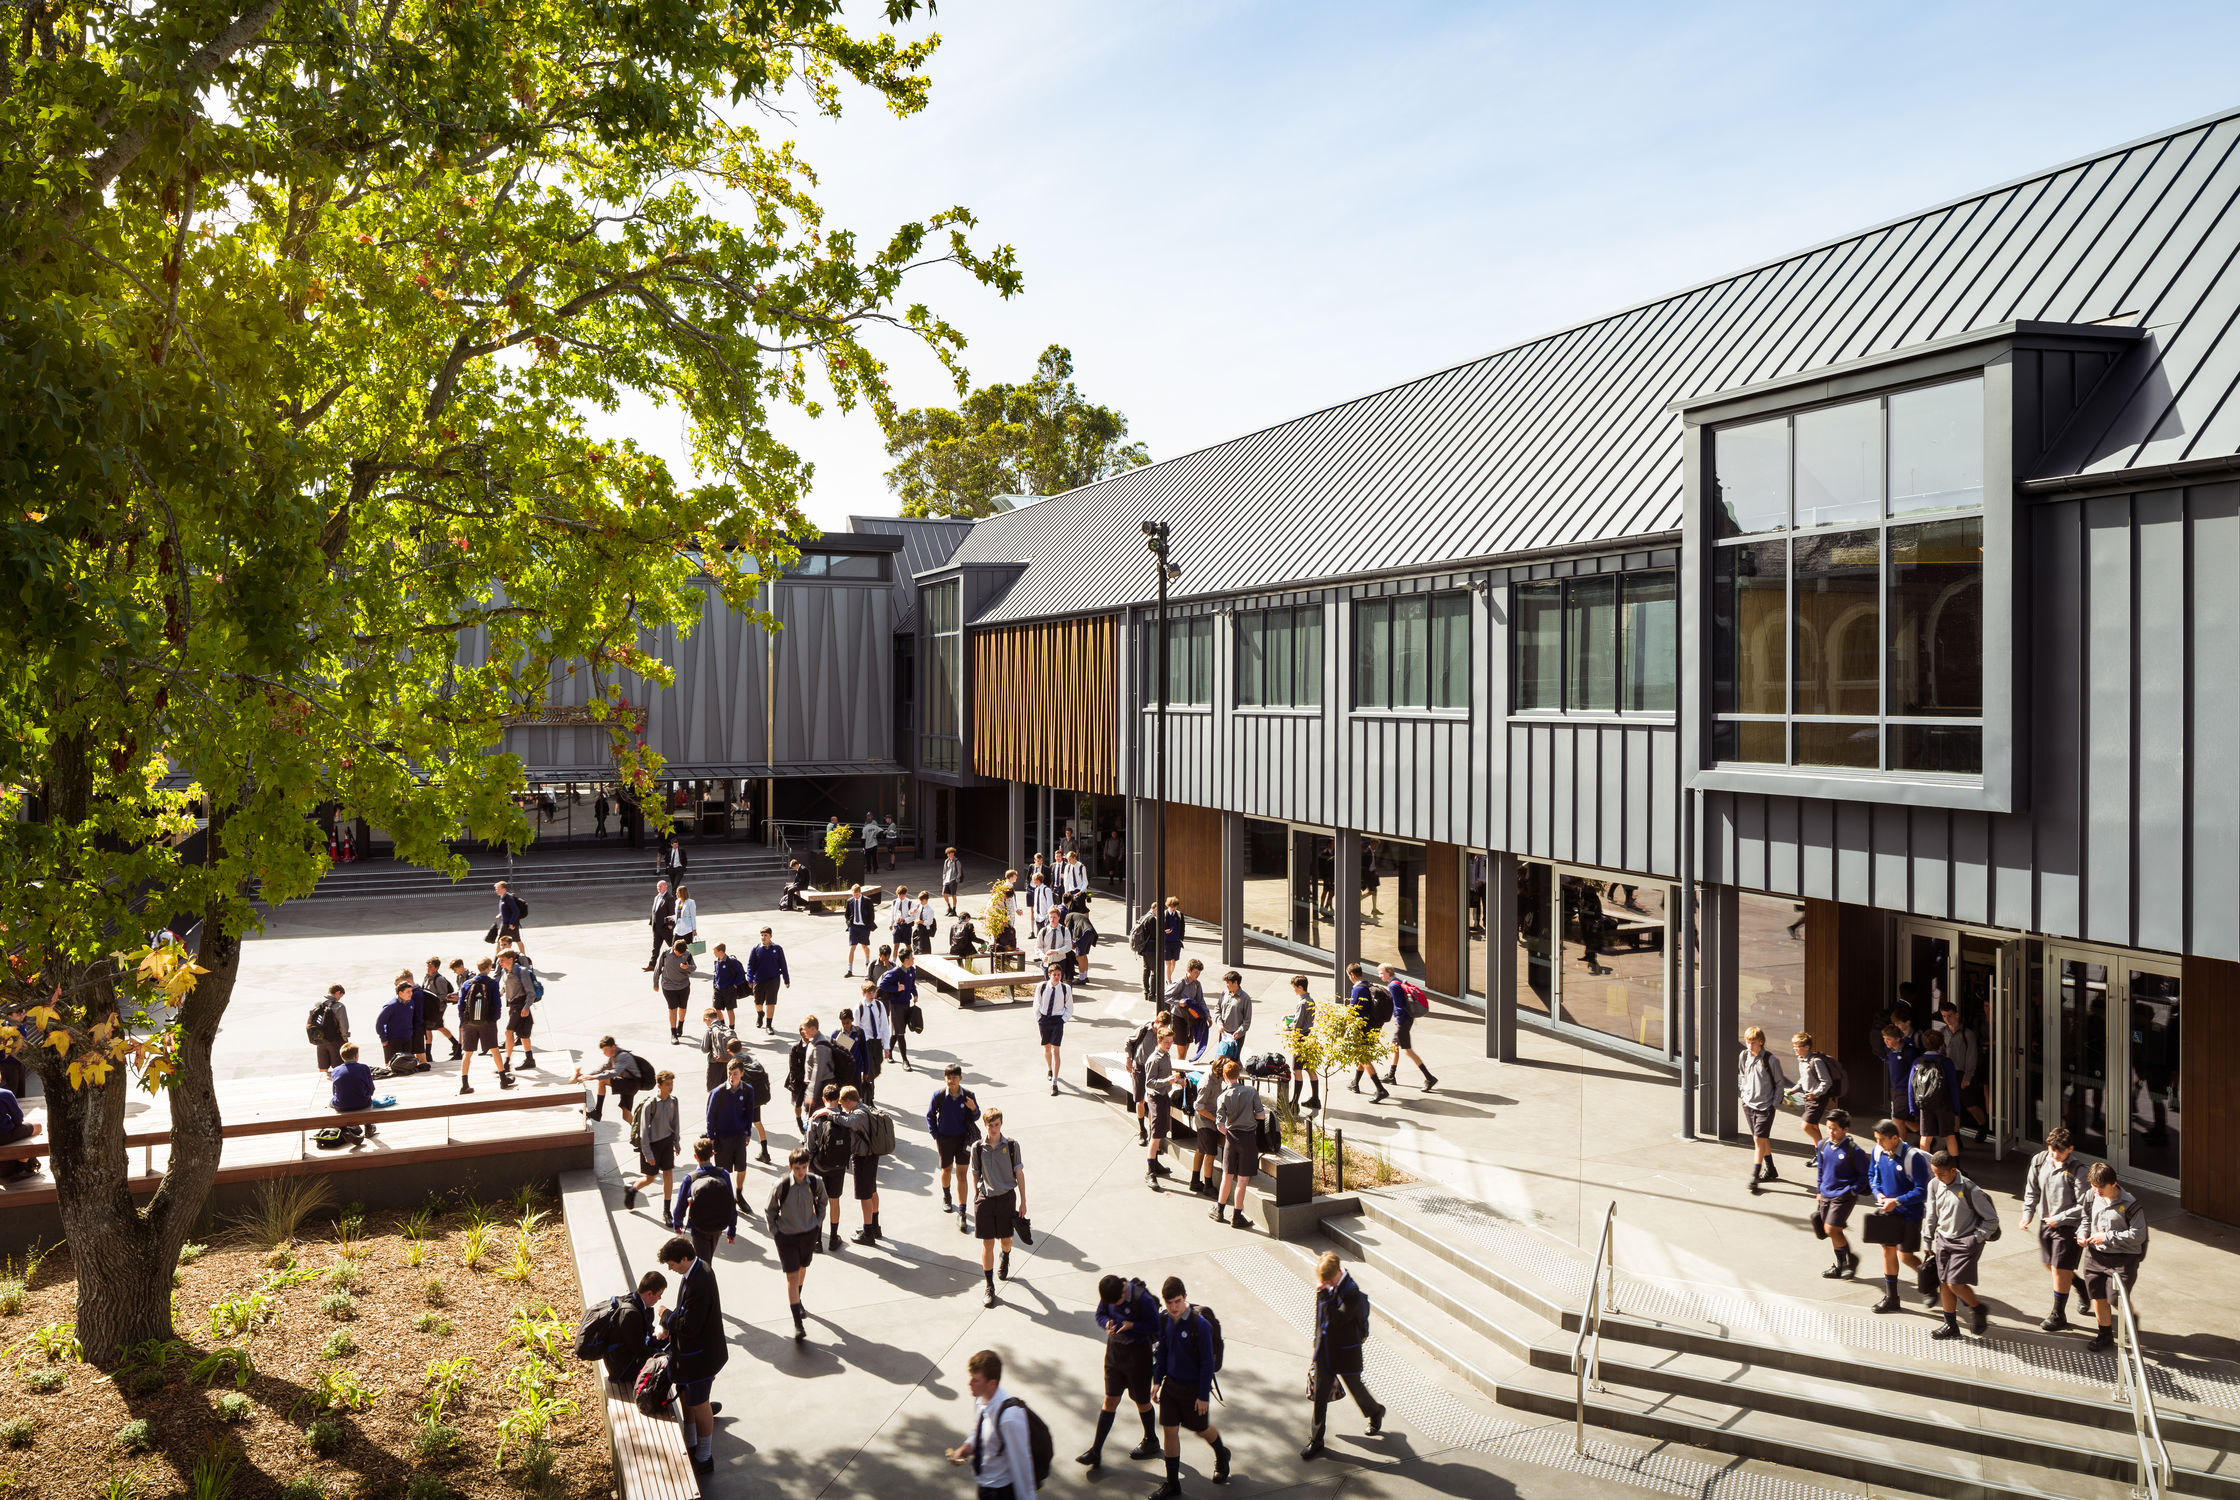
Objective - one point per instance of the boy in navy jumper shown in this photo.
(1840, 1168)
(1899, 1177)
(1182, 1371)
(1129, 1316)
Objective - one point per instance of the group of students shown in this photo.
(496, 1003)
(1929, 1216)
(1224, 1109)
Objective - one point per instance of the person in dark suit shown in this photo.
(664, 920)
(1341, 1324)
(693, 1333)
(510, 913)
(673, 861)
(599, 810)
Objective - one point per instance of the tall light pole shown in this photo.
(1155, 538)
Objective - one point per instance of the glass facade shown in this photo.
(1189, 661)
(1602, 643)
(1279, 658)
(1412, 651)
(941, 738)
(1592, 952)
(1391, 897)
(1769, 981)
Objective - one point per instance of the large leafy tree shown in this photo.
(301, 305)
(1040, 437)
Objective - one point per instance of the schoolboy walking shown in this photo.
(1840, 1171)
(658, 1127)
(1156, 1084)
(1053, 1007)
(1933, 1088)
(809, 1067)
(766, 970)
(898, 993)
(1759, 1081)
(1183, 1369)
(1959, 1220)
(1129, 1316)
(517, 986)
(706, 1204)
(1819, 1084)
(1899, 1178)
(2115, 1242)
(733, 1115)
(480, 1008)
(953, 1118)
(1341, 1327)
(730, 977)
(860, 916)
(2057, 1193)
(1001, 1449)
(999, 1199)
(1373, 1004)
(1240, 1110)
(434, 982)
(832, 1151)
(795, 1213)
(855, 1111)
(952, 876)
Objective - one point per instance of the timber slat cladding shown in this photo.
(1045, 704)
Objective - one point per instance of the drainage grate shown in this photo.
(1528, 1257)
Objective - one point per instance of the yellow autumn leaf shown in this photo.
(92, 1068)
(60, 1041)
(155, 965)
(180, 983)
(157, 1070)
(42, 1016)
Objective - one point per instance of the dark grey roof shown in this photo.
(927, 542)
(1566, 440)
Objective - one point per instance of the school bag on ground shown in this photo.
(619, 1321)
(1039, 1445)
(878, 1135)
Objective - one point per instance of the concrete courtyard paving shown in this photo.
(867, 1405)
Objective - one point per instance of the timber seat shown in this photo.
(840, 898)
(650, 1462)
(964, 984)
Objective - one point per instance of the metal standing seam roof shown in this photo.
(1565, 440)
(927, 542)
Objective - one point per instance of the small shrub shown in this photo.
(438, 1441)
(415, 1253)
(339, 1305)
(432, 1323)
(191, 1252)
(214, 1473)
(475, 1246)
(123, 1486)
(345, 1277)
(234, 1407)
(337, 1389)
(237, 1312)
(350, 1239)
(339, 1345)
(282, 1258)
(26, 1269)
(44, 1378)
(323, 1437)
(57, 1341)
(224, 1364)
(426, 1487)
(417, 1224)
(281, 1280)
(281, 1207)
(135, 1436)
(445, 1384)
(431, 1291)
(19, 1433)
(523, 1266)
(141, 1382)
(11, 1297)
(535, 1467)
(305, 1487)
(538, 1330)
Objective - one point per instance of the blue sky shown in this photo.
(1235, 213)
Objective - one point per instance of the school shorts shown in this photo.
(478, 1036)
(1240, 1155)
(330, 1058)
(731, 1153)
(948, 887)
(833, 1182)
(1958, 1261)
(2100, 1269)
(1178, 1407)
(901, 936)
(1831, 1213)
(1209, 1141)
(1816, 1110)
(2058, 1248)
(766, 992)
(1937, 1118)
(1162, 1115)
(676, 999)
(1403, 1029)
(867, 1178)
(858, 936)
(1760, 1122)
(795, 1251)
(659, 1156)
(1901, 1108)
(1909, 1231)
(1127, 1370)
(1053, 1029)
(956, 1150)
(521, 1024)
(691, 1393)
(994, 1218)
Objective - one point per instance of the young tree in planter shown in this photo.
(300, 309)
(1338, 1040)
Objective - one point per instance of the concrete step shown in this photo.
(1506, 1323)
(388, 879)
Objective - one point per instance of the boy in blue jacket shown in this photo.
(730, 979)
(1129, 1316)
(398, 1026)
(1901, 1045)
(353, 1084)
(1899, 1178)
(1840, 1170)
(766, 970)
(1182, 1369)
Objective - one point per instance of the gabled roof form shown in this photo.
(1565, 440)
(927, 542)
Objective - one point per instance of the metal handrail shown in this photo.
(1586, 1350)
(2131, 1384)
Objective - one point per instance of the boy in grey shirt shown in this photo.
(795, 1213)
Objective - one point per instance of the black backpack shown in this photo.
(1380, 1009)
(756, 1078)
(831, 1144)
(656, 1386)
(843, 1065)
(619, 1321)
(710, 1205)
(1145, 935)
(1039, 1445)
(643, 1071)
(1216, 1343)
(1927, 1079)
(320, 1027)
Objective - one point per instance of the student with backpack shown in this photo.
(953, 1118)
(1373, 1004)
(656, 1126)
(1820, 1084)
(1184, 1367)
(521, 989)
(1840, 1174)
(716, 1039)
(705, 1205)
(1900, 1049)
(1404, 995)
(327, 1028)
(1240, 1109)
(1146, 1040)
(2115, 1242)
(434, 983)
(2058, 1194)
(809, 1067)
(625, 1073)
(730, 978)
(480, 1009)
(874, 1137)
(766, 971)
(1009, 1449)
(1899, 1179)
(898, 993)
(795, 1213)
(999, 1199)
(733, 1114)
(1960, 1220)
(1129, 1316)
(619, 1332)
(1341, 1327)
(1933, 1089)
(875, 1033)
(832, 1150)
(1759, 1081)
(1155, 1082)
(675, 979)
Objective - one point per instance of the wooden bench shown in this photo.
(1286, 1177)
(840, 898)
(965, 984)
(1639, 934)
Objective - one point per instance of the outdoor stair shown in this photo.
(547, 873)
(2022, 1418)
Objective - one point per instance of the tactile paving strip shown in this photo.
(1446, 1422)
(1526, 1256)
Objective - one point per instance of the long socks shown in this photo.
(1174, 1470)
(1150, 1425)
(1104, 1430)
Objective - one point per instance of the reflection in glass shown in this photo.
(1936, 619)
(1535, 936)
(1838, 624)
(1839, 465)
(1252, 660)
(2084, 1055)
(1391, 895)
(1851, 746)
(1753, 741)
(1651, 653)
(1311, 912)
(1945, 749)
(2152, 1088)
(1539, 637)
(1750, 612)
(1769, 980)
(1411, 678)
(1751, 477)
(1372, 654)
(1306, 656)
(1267, 877)
(1590, 645)
(1450, 651)
(1611, 977)
(1936, 447)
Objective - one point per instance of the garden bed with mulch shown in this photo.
(320, 1355)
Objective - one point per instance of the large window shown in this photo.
(1847, 586)
(854, 566)
(1189, 660)
(944, 688)
(1412, 651)
(1279, 658)
(1601, 643)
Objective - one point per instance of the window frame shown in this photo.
(1454, 604)
(1617, 578)
(1181, 628)
(938, 750)
(1242, 626)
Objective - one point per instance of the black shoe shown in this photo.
(1771, 1174)
(764, 1158)
(1393, 1076)
(991, 1297)
(2102, 1341)
(457, 1051)
(2058, 1322)
(1220, 1215)
(1754, 1188)
(1931, 1300)
(1093, 1460)
(1167, 1490)
(864, 1236)
(1430, 1080)
(1311, 1452)
(2084, 1305)
(1003, 1266)
(1376, 1422)
(1356, 1084)
(629, 1198)
(715, 1408)
(703, 1467)
(1833, 1272)
(1237, 1220)
(1888, 1304)
(1381, 1095)
(1151, 1179)
(834, 1243)
(1980, 1318)
(465, 1087)
(507, 1080)
(1145, 1449)
(1945, 1331)
(1850, 1264)
(529, 1060)
(1161, 1168)
(964, 1222)
(1221, 1464)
